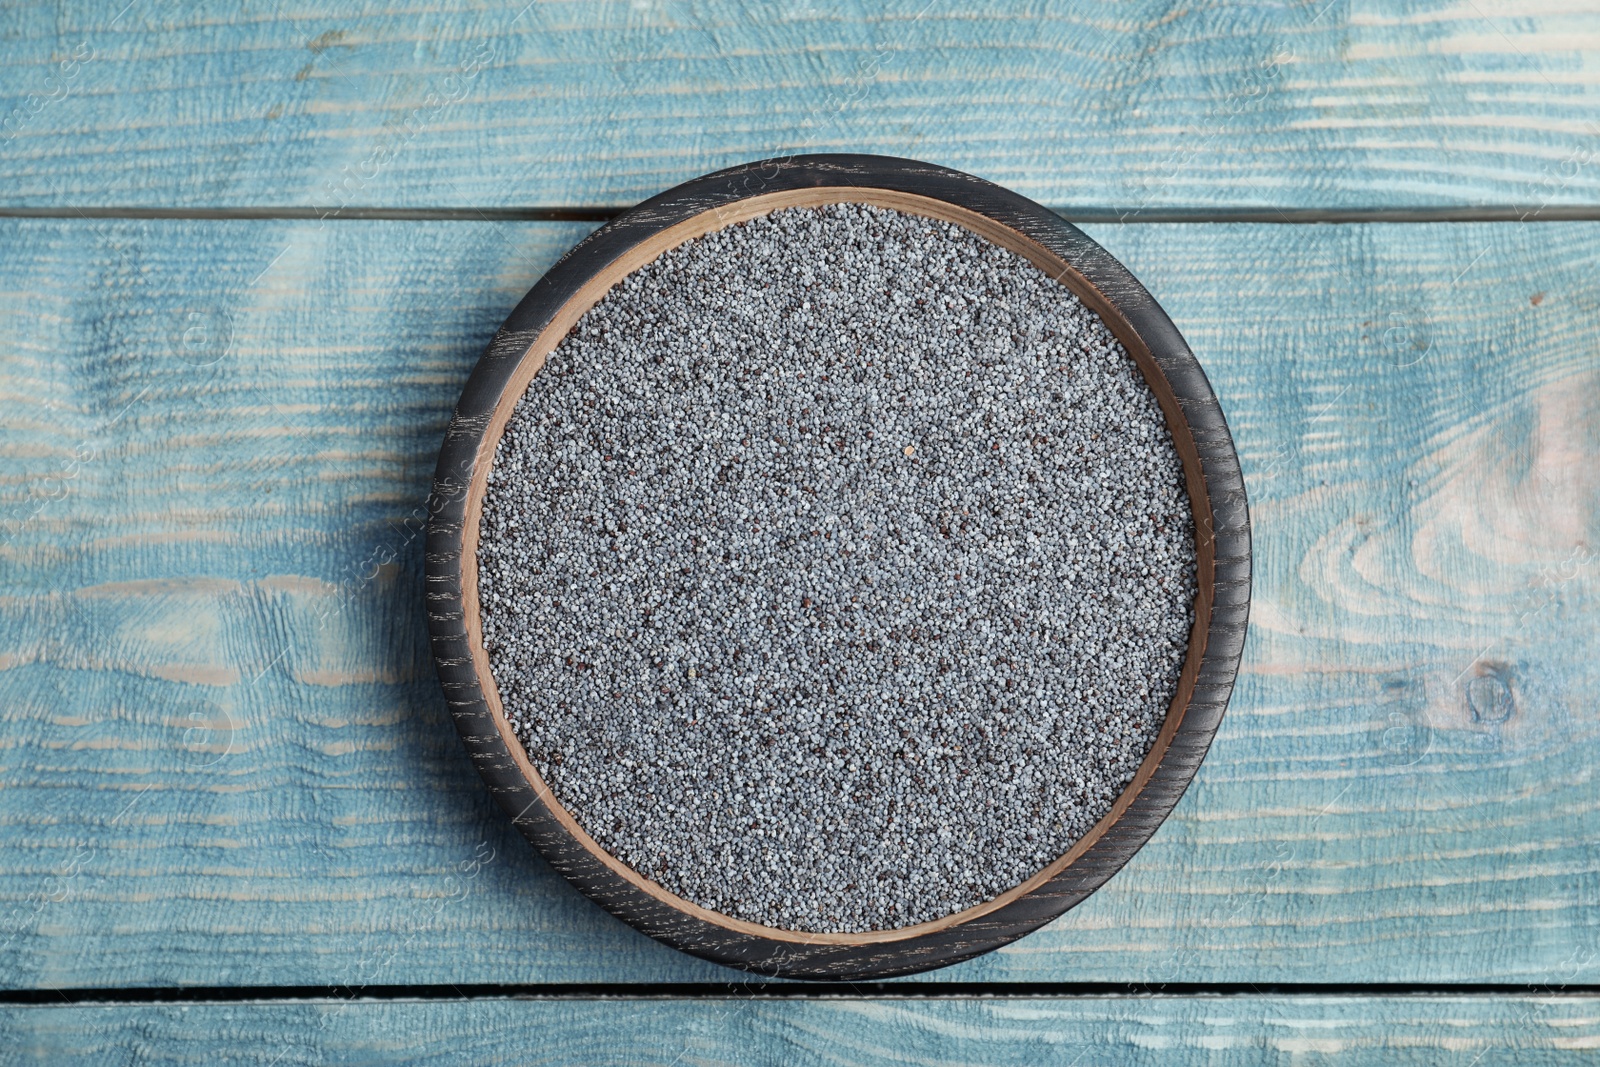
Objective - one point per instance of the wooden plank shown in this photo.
(1487, 1031)
(225, 759)
(1139, 107)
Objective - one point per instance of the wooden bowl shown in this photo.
(638, 236)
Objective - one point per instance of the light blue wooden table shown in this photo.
(248, 257)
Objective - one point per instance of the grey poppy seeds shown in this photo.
(836, 571)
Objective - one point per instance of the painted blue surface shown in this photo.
(226, 759)
(1132, 106)
(1385, 1031)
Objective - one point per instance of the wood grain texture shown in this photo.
(225, 758)
(1131, 106)
(1219, 1032)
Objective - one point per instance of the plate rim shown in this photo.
(513, 782)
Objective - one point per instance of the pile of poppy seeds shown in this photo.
(837, 571)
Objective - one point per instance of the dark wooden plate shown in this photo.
(574, 285)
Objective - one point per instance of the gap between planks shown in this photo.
(1293, 216)
(771, 990)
